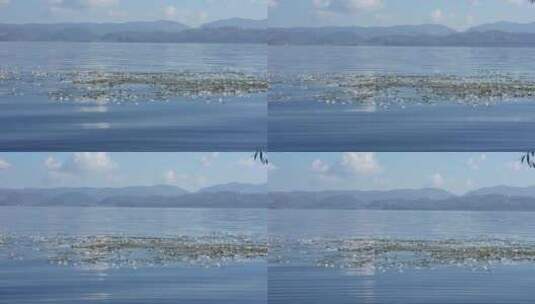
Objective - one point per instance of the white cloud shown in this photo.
(117, 14)
(515, 166)
(101, 3)
(470, 20)
(361, 162)
(438, 180)
(82, 163)
(190, 17)
(170, 177)
(207, 160)
(320, 167)
(347, 6)
(79, 168)
(170, 11)
(473, 2)
(272, 3)
(351, 164)
(437, 16)
(474, 163)
(52, 164)
(4, 3)
(516, 2)
(81, 4)
(186, 181)
(470, 184)
(4, 164)
(93, 161)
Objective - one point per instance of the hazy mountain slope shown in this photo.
(237, 195)
(82, 31)
(216, 35)
(347, 36)
(506, 191)
(238, 23)
(505, 26)
(237, 187)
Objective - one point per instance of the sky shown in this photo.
(458, 14)
(191, 12)
(190, 171)
(455, 172)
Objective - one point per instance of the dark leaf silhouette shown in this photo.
(261, 156)
(528, 158)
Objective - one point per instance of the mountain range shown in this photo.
(423, 35)
(236, 195)
(156, 30)
(503, 26)
(239, 30)
(238, 23)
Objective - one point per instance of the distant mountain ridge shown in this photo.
(237, 187)
(238, 23)
(504, 26)
(237, 195)
(505, 191)
(353, 37)
(239, 30)
(139, 196)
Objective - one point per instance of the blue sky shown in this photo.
(190, 171)
(458, 14)
(456, 172)
(191, 12)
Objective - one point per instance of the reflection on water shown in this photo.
(95, 109)
(96, 125)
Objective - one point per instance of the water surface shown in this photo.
(64, 255)
(42, 110)
(311, 268)
(317, 105)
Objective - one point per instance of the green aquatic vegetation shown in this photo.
(386, 253)
(3, 240)
(120, 251)
(375, 254)
(116, 87)
(392, 89)
(128, 86)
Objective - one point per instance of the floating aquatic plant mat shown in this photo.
(127, 251)
(390, 89)
(385, 254)
(108, 87)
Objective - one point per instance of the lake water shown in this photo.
(191, 97)
(107, 255)
(408, 257)
(401, 99)
(132, 97)
(128, 255)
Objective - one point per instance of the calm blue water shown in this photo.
(31, 121)
(30, 239)
(299, 280)
(299, 120)
(27, 274)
